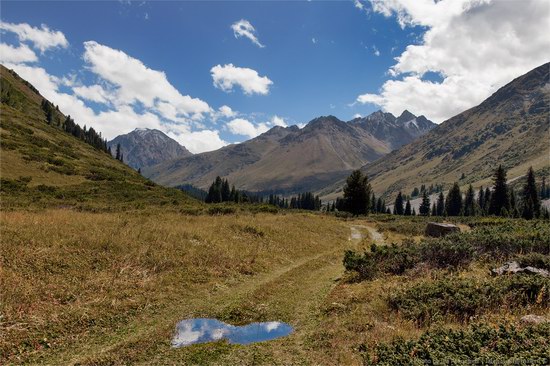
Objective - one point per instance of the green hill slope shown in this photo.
(42, 165)
(511, 128)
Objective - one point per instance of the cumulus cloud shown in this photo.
(42, 38)
(243, 127)
(243, 28)
(135, 82)
(94, 93)
(10, 54)
(226, 111)
(278, 121)
(476, 46)
(227, 76)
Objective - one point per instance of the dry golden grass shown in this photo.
(75, 284)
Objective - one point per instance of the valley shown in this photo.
(141, 224)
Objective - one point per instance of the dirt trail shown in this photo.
(375, 235)
(292, 293)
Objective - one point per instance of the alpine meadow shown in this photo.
(354, 182)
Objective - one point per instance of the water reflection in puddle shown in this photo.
(202, 330)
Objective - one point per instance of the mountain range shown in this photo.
(145, 147)
(291, 160)
(511, 128)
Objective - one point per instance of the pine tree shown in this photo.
(440, 204)
(414, 212)
(544, 189)
(487, 202)
(117, 152)
(425, 205)
(453, 204)
(408, 211)
(139, 170)
(531, 201)
(500, 198)
(226, 191)
(357, 193)
(481, 198)
(434, 210)
(398, 205)
(373, 203)
(470, 202)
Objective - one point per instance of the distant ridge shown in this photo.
(145, 147)
(290, 160)
(511, 128)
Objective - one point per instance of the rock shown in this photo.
(514, 267)
(437, 229)
(533, 319)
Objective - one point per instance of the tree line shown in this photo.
(501, 200)
(89, 136)
(221, 191)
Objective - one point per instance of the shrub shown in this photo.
(536, 260)
(480, 344)
(221, 210)
(463, 298)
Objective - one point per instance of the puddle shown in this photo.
(202, 330)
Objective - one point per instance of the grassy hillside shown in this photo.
(510, 128)
(41, 165)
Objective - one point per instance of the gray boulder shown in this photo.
(533, 319)
(437, 229)
(514, 267)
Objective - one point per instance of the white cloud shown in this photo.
(278, 121)
(43, 38)
(243, 28)
(198, 141)
(357, 115)
(476, 46)
(227, 76)
(226, 111)
(313, 40)
(10, 54)
(134, 82)
(241, 126)
(94, 93)
(375, 51)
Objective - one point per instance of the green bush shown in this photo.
(464, 298)
(536, 260)
(480, 344)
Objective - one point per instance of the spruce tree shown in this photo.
(408, 211)
(424, 208)
(398, 208)
(453, 204)
(531, 201)
(226, 191)
(440, 204)
(500, 197)
(434, 209)
(487, 201)
(470, 202)
(481, 198)
(117, 152)
(357, 193)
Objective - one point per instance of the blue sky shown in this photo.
(307, 59)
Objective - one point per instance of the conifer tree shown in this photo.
(117, 152)
(357, 193)
(408, 211)
(424, 208)
(440, 204)
(487, 202)
(414, 212)
(500, 197)
(434, 209)
(398, 208)
(453, 203)
(531, 201)
(470, 202)
(226, 191)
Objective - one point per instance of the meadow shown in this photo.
(95, 288)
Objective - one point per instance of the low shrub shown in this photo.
(480, 344)
(464, 298)
(221, 210)
(536, 260)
